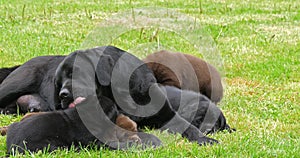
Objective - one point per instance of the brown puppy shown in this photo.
(185, 71)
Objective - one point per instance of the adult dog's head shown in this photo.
(107, 71)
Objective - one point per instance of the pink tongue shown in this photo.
(72, 105)
(76, 101)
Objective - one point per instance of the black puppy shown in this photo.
(126, 80)
(33, 77)
(197, 109)
(61, 129)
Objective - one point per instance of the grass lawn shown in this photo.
(258, 43)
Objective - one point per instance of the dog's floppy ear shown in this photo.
(104, 69)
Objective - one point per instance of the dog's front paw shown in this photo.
(206, 141)
(149, 140)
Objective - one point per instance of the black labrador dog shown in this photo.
(62, 129)
(111, 72)
(33, 77)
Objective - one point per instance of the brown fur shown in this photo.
(185, 71)
(3, 130)
(31, 114)
(129, 128)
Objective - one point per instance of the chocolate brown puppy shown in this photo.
(185, 71)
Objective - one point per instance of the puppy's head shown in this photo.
(66, 82)
(75, 77)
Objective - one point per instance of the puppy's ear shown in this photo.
(104, 69)
(57, 104)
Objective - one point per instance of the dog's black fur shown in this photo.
(61, 129)
(4, 72)
(139, 86)
(33, 77)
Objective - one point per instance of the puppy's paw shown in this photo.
(3, 130)
(149, 140)
(229, 129)
(135, 138)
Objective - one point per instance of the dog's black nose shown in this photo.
(64, 93)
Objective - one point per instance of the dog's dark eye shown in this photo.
(69, 75)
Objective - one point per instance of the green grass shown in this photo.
(258, 41)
